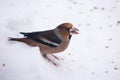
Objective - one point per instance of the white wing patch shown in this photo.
(47, 41)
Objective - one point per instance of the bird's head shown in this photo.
(67, 29)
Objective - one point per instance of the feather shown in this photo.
(47, 38)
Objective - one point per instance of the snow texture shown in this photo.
(94, 54)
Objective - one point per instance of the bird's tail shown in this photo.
(24, 40)
(16, 39)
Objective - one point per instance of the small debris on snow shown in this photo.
(112, 62)
(110, 39)
(100, 27)
(106, 71)
(88, 24)
(115, 68)
(102, 8)
(109, 16)
(79, 25)
(95, 7)
(69, 54)
(106, 46)
(3, 65)
(92, 73)
(114, 7)
(118, 23)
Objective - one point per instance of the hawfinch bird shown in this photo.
(49, 41)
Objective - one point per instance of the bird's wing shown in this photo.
(48, 38)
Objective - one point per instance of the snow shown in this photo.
(94, 54)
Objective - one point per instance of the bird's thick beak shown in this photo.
(74, 30)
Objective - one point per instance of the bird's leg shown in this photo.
(55, 57)
(46, 57)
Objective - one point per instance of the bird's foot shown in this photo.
(46, 57)
(55, 57)
(51, 61)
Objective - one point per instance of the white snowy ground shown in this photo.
(94, 54)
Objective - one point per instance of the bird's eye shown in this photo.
(67, 29)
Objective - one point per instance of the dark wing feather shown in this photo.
(49, 35)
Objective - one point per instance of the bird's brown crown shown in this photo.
(65, 26)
